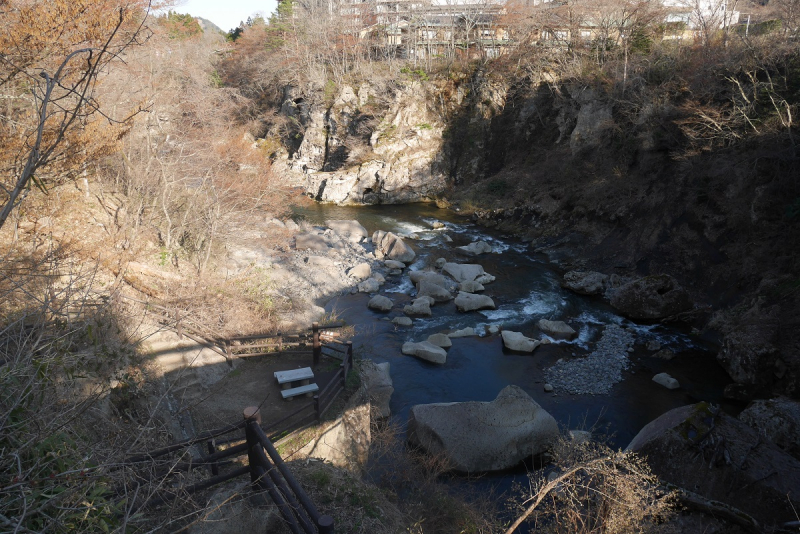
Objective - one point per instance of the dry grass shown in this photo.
(592, 490)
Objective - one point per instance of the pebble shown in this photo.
(596, 373)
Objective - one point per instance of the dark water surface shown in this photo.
(526, 290)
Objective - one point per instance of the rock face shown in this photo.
(380, 303)
(651, 297)
(378, 383)
(475, 248)
(557, 329)
(483, 436)
(519, 342)
(585, 282)
(719, 457)
(778, 419)
(351, 230)
(425, 351)
(463, 272)
(393, 247)
(398, 163)
(467, 302)
(345, 441)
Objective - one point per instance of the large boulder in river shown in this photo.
(519, 342)
(702, 449)
(778, 420)
(436, 292)
(380, 303)
(463, 272)
(475, 248)
(557, 329)
(651, 297)
(585, 282)
(420, 306)
(470, 287)
(393, 247)
(475, 437)
(350, 230)
(425, 351)
(467, 302)
(430, 276)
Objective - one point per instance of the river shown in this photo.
(526, 289)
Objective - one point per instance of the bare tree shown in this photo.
(64, 104)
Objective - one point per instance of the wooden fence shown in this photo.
(266, 468)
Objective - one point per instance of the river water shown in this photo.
(526, 289)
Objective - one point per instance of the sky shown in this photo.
(227, 14)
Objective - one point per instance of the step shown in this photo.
(301, 390)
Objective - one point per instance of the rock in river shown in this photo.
(436, 292)
(467, 302)
(666, 380)
(380, 303)
(370, 285)
(425, 351)
(519, 342)
(393, 247)
(651, 297)
(463, 272)
(557, 329)
(475, 248)
(483, 436)
(585, 282)
(420, 306)
(470, 287)
(440, 340)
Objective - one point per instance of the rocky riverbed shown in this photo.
(598, 372)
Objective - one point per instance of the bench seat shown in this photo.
(300, 390)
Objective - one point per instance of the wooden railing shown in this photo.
(265, 466)
(269, 472)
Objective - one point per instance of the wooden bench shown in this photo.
(296, 382)
(294, 375)
(308, 389)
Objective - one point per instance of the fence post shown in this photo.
(252, 416)
(317, 347)
(178, 323)
(348, 363)
(212, 448)
(325, 524)
(228, 353)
